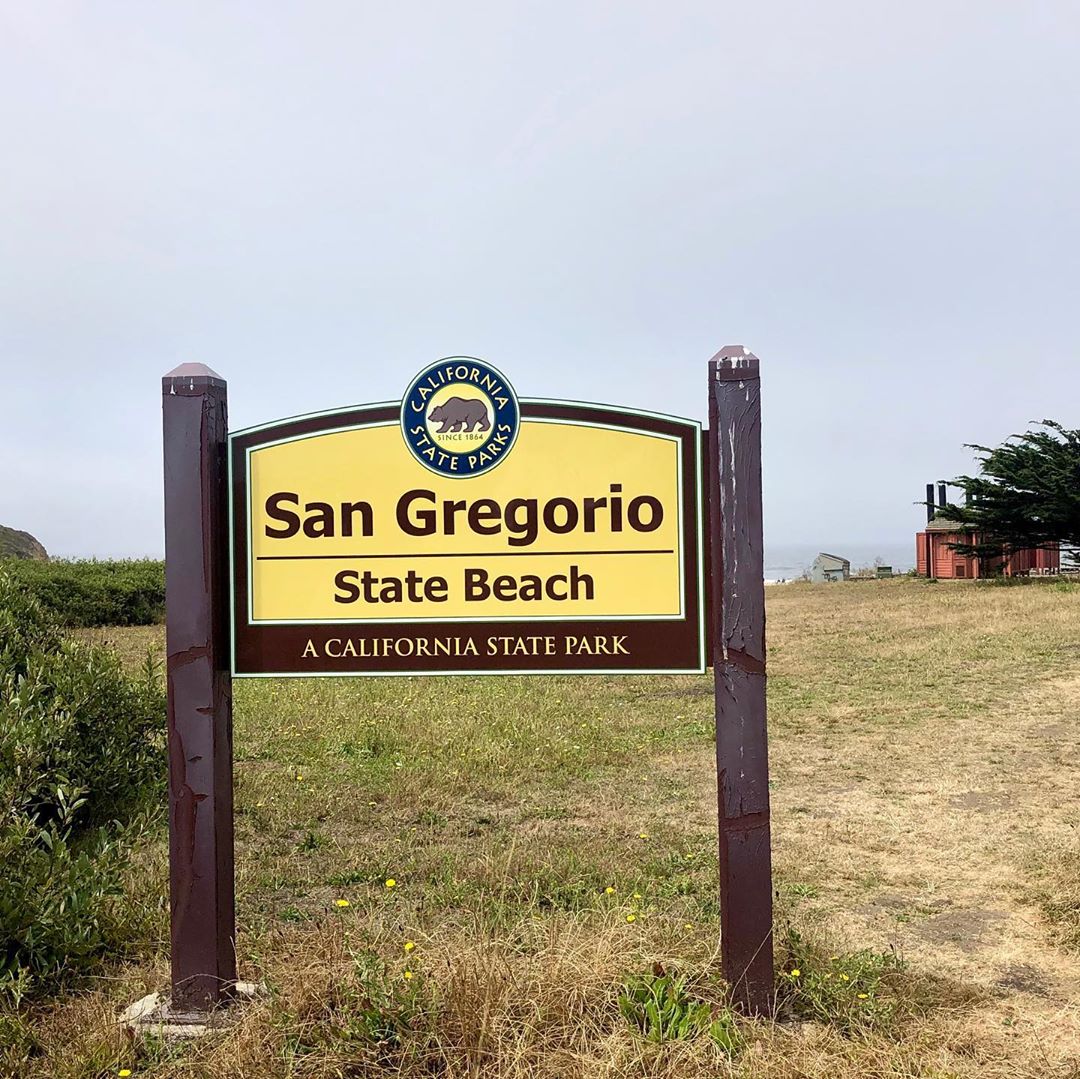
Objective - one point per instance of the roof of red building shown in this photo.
(943, 524)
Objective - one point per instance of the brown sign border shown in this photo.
(656, 646)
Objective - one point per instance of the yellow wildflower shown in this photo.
(341, 902)
(844, 978)
(863, 996)
(643, 835)
(298, 777)
(631, 917)
(689, 925)
(124, 1073)
(408, 975)
(391, 883)
(609, 890)
(409, 945)
(637, 895)
(795, 972)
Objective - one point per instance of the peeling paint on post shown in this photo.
(738, 650)
(199, 687)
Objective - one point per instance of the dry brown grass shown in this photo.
(924, 746)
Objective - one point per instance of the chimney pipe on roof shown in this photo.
(929, 502)
(941, 497)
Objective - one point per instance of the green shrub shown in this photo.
(81, 764)
(662, 1008)
(92, 593)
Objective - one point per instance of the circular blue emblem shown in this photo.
(460, 417)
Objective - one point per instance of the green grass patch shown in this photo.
(1054, 886)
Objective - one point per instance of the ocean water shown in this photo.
(784, 561)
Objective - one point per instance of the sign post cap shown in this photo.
(734, 362)
(193, 370)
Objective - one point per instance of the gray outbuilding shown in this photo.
(829, 567)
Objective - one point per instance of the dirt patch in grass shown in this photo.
(969, 930)
(980, 801)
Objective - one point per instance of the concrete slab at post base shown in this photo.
(155, 1015)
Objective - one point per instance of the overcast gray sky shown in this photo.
(318, 199)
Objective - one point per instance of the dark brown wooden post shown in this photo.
(200, 688)
(738, 612)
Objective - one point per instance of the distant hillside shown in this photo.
(16, 544)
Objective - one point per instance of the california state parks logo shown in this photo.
(460, 417)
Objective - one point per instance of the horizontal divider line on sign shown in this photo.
(442, 554)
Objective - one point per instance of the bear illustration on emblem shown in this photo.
(460, 417)
(460, 414)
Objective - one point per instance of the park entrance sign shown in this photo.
(575, 548)
(461, 530)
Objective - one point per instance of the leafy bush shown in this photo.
(92, 593)
(81, 760)
(662, 1009)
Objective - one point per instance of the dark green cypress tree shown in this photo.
(1027, 494)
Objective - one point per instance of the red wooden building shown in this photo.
(934, 557)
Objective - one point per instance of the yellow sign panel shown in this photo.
(583, 521)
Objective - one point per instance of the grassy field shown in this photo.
(553, 840)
